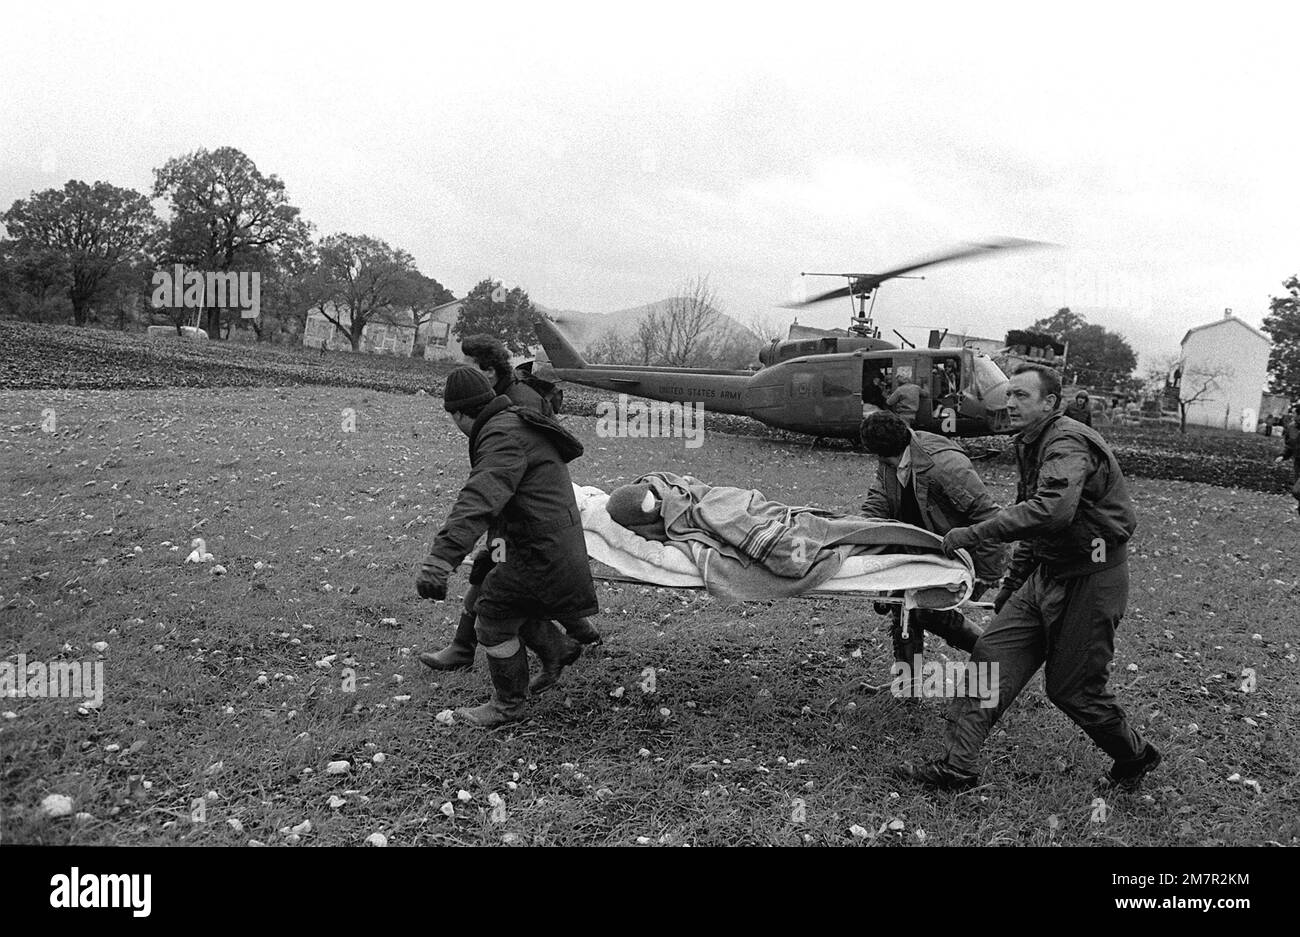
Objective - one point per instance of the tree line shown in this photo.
(88, 252)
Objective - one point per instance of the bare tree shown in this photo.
(1198, 383)
(766, 326)
(650, 338)
(689, 319)
(609, 348)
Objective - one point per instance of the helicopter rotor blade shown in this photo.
(864, 283)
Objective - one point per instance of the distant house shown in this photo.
(1238, 354)
(391, 333)
(436, 336)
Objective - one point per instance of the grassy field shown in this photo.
(235, 690)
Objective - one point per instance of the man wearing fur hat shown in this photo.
(520, 488)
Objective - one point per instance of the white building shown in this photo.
(1226, 363)
(439, 341)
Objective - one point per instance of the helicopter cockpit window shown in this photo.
(987, 374)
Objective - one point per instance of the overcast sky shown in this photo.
(599, 158)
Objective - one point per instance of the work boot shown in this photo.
(509, 693)
(937, 774)
(459, 654)
(581, 630)
(554, 651)
(1128, 775)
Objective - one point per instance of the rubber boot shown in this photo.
(554, 651)
(459, 654)
(581, 631)
(509, 692)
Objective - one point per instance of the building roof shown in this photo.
(1209, 325)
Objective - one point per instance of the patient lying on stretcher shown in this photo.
(745, 546)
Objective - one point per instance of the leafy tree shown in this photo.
(363, 275)
(490, 309)
(609, 348)
(89, 232)
(33, 280)
(226, 215)
(1096, 355)
(1283, 325)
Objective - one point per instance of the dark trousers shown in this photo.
(1069, 625)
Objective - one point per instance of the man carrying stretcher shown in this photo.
(928, 481)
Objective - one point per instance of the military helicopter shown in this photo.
(823, 386)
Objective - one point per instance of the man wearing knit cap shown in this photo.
(520, 488)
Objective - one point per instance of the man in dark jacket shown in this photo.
(1064, 594)
(519, 486)
(1081, 409)
(489, 355)
(928, 481)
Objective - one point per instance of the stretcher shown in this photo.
(909, 580)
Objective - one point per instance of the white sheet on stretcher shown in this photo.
(665, 564)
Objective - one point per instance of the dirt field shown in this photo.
(235, 691)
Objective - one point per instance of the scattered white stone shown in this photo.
(617, 692)
(57, 805)
(100, 646)
(376, 839)
(84, 817)
(9, 714)
(235, 825)
(643, 840)
(338, 767)
(388, 621)
(336, 801)
(859, 832)
(921, 835)
(405, 698)
(113, 747)
(259, 565)
(256, 843)
(327, 661)
(379, 758)
(218, 570)
(216, 767)
(1234, 777)
(665, 712)
(464, 796)
(643, 753)
(1252, 784)
(498, 804)
(446, 717)
(1132, 668)
(510, 839)
(1250, 722)
(302, 828)
(896, 825)
(447, 810)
